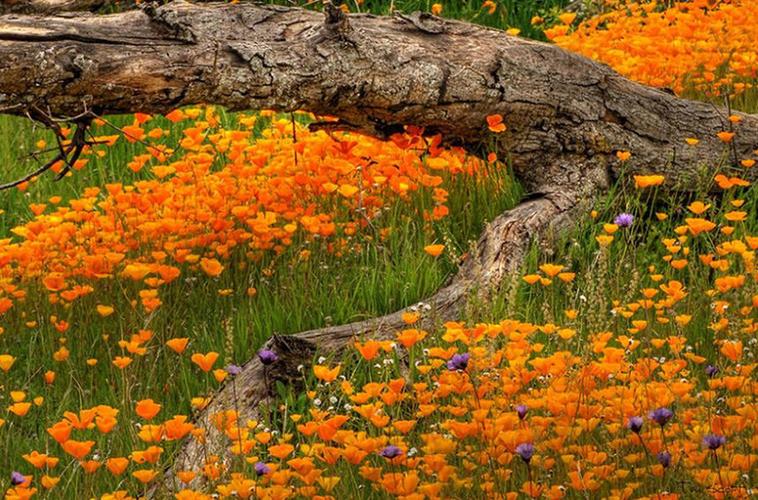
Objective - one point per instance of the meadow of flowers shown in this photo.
(701, 45)
(619, 364)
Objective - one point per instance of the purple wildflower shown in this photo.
(635, 424)
(391, 451)
(713, 441)
(458, 362)
(661, 416)
(624, 220)
(664, 458)
(525, 451)
(711, 370)
(267, 356)
(17, 478)
(521, 411)
(262, 469)
(233, 370)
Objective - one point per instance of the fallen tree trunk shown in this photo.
(567, 116)
(375, 73)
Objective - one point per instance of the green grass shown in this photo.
(293, 295)
(508, 13)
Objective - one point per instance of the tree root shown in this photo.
(499, 252)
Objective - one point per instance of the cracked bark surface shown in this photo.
(567, 116)
(49, 6)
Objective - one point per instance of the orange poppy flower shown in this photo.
(495, 123)
(60, 431)
(369, 349)
(147, 409)
(434, 250)
(90, 466)
(205, 361)
(186, 476)
(408, 338)
(54, 282)
(178, 345)
(105, 423)
(281, 451)
(144, 476)
(211, 267)
(177, 427)
(78, 449)
(697, 225)
(122, 361)
(732, 350)
(117, 465)
(6, 361)
(725, 136)
(104, 311)
(410, 317)
(175, 116)
(348, 190)
(326, 374)
(20, 409)
(551, 269)
(567, 17)
(404, 426)
(644, 181)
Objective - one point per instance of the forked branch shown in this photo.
(68, 151)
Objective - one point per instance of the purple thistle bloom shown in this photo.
(713, 441)
(267, 356)
(664, 458)
(661, 416)
(233, 370)
(17, 478)
(635, 424)
(391, 451)
(458, 362)
(262, 469)
(521, 411)
(711, 370)
(525, 451)
(624, 220)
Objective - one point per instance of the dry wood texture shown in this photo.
(49, 6)
(374, 73)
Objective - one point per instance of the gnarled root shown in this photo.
(500, 251)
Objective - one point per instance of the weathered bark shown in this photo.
(567, 116)
(49, 6)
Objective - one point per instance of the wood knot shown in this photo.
(293, 353)
(170, 20)
(424, 21)
(336, 22)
